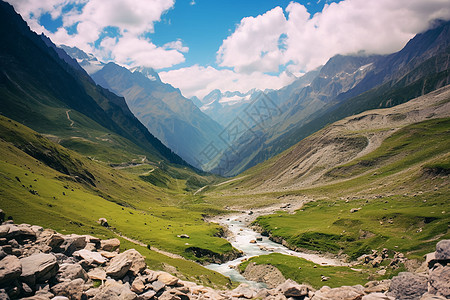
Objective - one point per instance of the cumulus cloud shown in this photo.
(350, 26)
(199, 81)
(88, 24)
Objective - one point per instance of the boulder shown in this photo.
(69, 272)
(147, 295)
(118, 266)
(110, 245)
(25, 231)
(439, 281)
(10, 269)
(113, 290)
(130, 260)
(428, 296)
(267, 274)
(4, 229)
(291, 288)
(90, 257)
(341, 293)
(97, 274)
(167, 279)
(243, 291)
(443, 250)
(38, 268)
(377, 296)
(157, 285)
(103, 222)
(377, 286)
(138, 285)
(73, 243)
(71, 289)
(55, 240)
(408, 286)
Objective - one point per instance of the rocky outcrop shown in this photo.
(267, 274)
(43, 264)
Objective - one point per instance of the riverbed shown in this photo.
(251, 243)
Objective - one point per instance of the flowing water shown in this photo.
(241, 236)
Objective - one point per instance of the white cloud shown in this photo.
(375, 26)
(131, 20)
(177, 45)
(199, 81)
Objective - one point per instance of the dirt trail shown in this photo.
(219, 184)
(68, 118)
(168, 254)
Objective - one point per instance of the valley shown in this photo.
(340, 178)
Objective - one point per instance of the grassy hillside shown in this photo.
(40, 178)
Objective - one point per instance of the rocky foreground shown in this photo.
(38, 263)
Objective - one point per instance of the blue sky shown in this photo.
(204, 25)
(235, 45)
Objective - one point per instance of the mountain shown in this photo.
(40, 88)
(87, 61)
(346, 85)
(173, 119)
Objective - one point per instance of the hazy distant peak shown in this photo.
(150, 73)
(86, 60)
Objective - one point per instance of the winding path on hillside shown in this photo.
(68, 118)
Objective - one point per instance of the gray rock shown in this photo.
(137, 261)
(72, 289)
(38, 268)
(408, 286)
(73, 243)
(10, 269)
(110, 245)
(243, 291)
(118, 266)
(439, 281)
(69, 272)
(428, 296)
(377, 296)
(340, 293)
(147, 295)
(157, 285)
(90, 256)
(113, 290)
(291, 288)
(443, 250)
(138, 285)
(377, 286)
(3, 295)
(4, 229)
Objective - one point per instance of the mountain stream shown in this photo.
(243, 238)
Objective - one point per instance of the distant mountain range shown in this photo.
(172, 118)
(46, 90)
(344, 86)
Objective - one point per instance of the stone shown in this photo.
(25, 231)
(68, 272)
(4, 229)
(118, 266)
(168, 296)
(377, 296)
(103, 222)
(167, 278)
(97, 274)
(90, 256)
(443, 250)
(430, 259)
(267, 274)
(38, 268)
(243, 291)
(73, 243)
(3, 295)
(147, 295)
(439, 281)
(408, 286)
(55, 241)
(157, 285)
(138, 261)
(10, 269)
(72, 289)
(340, 293)
(377, 286)
(183, 236)
(428, 296)
(138, 285)
(291, 288)
(108, 254)
(113, 290)
(110, 245)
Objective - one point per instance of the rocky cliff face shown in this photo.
(38, 263)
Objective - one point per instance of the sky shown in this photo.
(231, 45)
